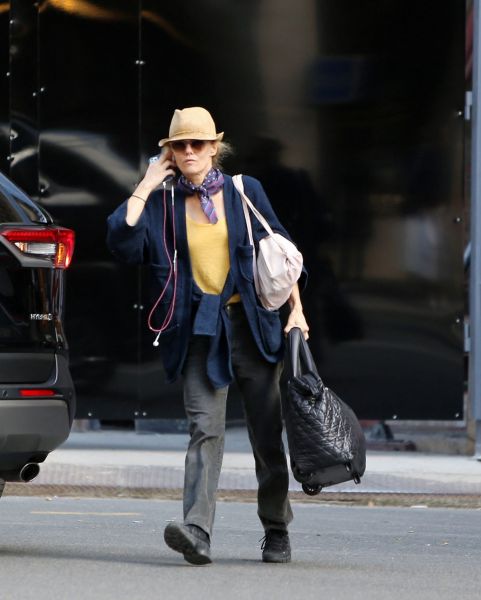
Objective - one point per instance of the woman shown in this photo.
(213, 328)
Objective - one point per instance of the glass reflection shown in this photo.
(349, 115)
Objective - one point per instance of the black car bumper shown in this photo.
(32, 427)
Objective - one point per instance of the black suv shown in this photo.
(37, 398)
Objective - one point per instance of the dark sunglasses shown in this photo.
(180, 145)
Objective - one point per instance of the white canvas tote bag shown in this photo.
(279, 262)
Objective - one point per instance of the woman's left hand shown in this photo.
(297, 319)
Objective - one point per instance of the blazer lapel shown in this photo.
(181, 227)
(235, 226)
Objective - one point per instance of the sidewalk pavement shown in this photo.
(130, 460)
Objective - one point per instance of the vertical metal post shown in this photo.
(475, 269)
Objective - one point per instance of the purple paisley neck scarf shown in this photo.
(212, 183)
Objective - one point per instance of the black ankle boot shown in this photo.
(276, 547)
(190, 540)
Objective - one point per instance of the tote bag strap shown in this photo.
(239, 185)
(299, 355)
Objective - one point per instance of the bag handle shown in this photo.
(299, 355)
(239, 185)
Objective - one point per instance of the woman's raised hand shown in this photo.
(159, 168)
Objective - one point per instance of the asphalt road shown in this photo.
(69, 549)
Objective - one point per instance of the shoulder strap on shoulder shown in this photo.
(239, 185)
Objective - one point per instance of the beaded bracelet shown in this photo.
(144, 201)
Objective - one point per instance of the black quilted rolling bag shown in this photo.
(326, 441)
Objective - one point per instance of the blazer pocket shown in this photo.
(245, 256)
(166, 337)
(270, 328)
(169, 347)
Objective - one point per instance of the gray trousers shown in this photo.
(205, 408)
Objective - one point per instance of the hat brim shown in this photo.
(192, 135)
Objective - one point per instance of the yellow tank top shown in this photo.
(209, 255)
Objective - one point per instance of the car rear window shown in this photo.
(17, 207)
(8, 214)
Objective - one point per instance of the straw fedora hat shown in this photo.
(194, 123)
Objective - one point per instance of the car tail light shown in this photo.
(54, 243)
(36, 393)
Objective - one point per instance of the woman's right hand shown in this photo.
(157, 171)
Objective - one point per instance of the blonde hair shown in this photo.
(224, 149)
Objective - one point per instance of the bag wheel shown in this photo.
(311, 490)
(356, 478)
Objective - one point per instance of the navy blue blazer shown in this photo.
(197, 313)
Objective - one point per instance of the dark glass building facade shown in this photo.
(351, 115)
